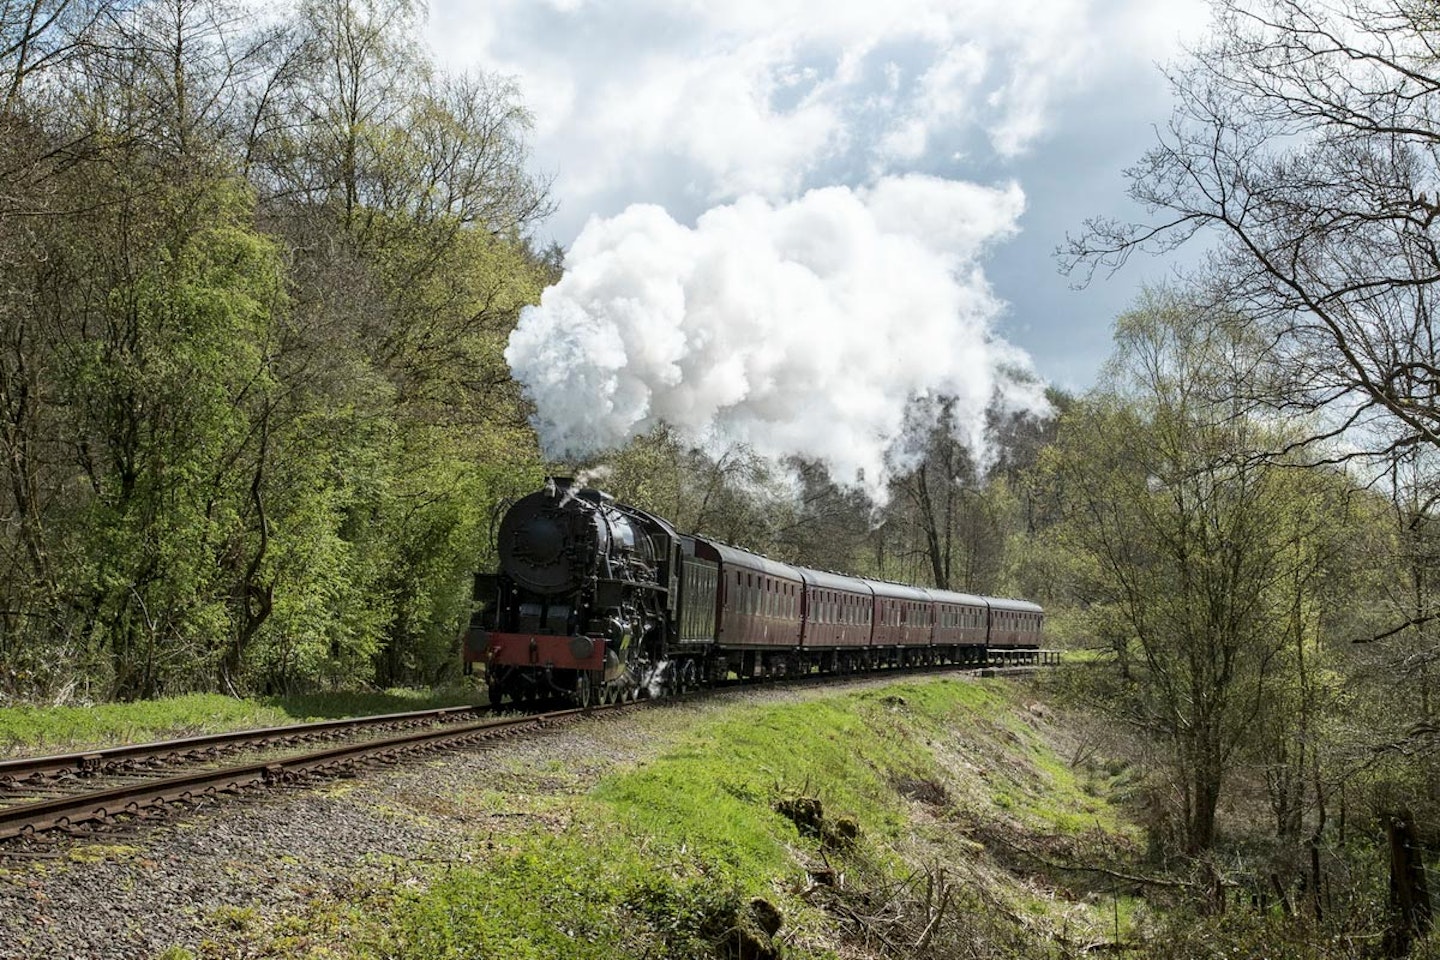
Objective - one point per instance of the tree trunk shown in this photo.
(1410, 914)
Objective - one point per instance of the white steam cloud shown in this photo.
(800, 328)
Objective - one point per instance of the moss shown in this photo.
(233, 918)
(96, 852)
(175, 953)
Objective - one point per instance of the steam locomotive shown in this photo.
(600, 602)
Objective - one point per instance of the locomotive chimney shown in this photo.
(561, 489)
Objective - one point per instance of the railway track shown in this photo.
(75, 791)
(40, 794)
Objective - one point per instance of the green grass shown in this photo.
(574, 895)
(31, 729)
(658, 860)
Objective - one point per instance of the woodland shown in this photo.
(257, 273)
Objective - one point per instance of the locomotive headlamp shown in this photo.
(582, 648)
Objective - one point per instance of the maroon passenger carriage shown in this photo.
(598, 601)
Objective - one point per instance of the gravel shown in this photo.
(136, 891)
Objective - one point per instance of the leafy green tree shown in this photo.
(140, 306)
(256, 280)
(1303, 150)
(1193, 545)
(417, 184)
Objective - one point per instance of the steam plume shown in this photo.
(800, 328)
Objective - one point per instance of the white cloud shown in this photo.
(701, 102)
(716, 112)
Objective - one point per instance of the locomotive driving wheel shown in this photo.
(669, 680)
(584, 690)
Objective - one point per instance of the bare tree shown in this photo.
(39, 35)
(1306, 145)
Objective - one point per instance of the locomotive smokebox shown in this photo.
(547, 540)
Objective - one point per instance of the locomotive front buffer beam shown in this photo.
(496, 649)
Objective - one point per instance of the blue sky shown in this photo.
(977, 132)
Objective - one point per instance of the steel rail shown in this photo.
(23, 768)
(40, 816)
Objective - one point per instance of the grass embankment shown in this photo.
(925, 814)
(31, 730)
